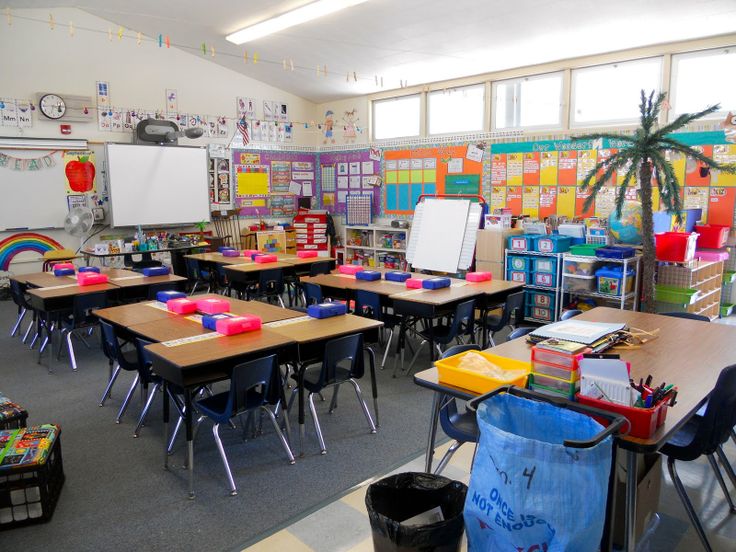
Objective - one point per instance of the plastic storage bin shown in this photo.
(711, 255)
(326, 310)
(478, 277)
(544, 279)
(675, 295)
(519, 276)
(449, 371)
(166, 296)
(712, 236)
(213, 306)
(63, 271)
(413, 283)
(368, 275)
(552, 244)
(644, 421)
(584, 250)
(156, 271)
(611, 280)
(230, 253)
(726, 309)
(675, 247)
(563, 360)
(555, 386)
(579, 267)
(182, 306)
(519, 262)
(555, 371)
(521, 242)
(250, 253)
(436, 283)
(544, 264)
(540, 298)
(89, 269)
(349, 269)
(238, 324)
(91, 278)
(546, 314)
(579, 283)
(615, 252)
(262, 259)
(395, 276)
(209, 321)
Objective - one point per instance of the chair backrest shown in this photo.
(570, 314)
(514, 303)
(457, 349)
(720, 414)
(227, 227)
(320, 267)
(463, 322)
(18, 294)
(153, 289)
(254, 383)
(111, 346)
(271, 281)
(84, 305)
(339, 353)
(368, 304)
(519, 332)
(192, 268)
(312, 293)
(686, 315)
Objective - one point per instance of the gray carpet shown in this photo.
(118, 497)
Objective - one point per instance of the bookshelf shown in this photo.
(376, 246)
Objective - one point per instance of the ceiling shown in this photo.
(416, 41)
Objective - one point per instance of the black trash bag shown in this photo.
(399, 497)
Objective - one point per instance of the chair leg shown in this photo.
(333, 402)
(110, 383)
(35, 338)
(294, 391)
(446, 458)
(28, 330)
(142, 418)
(688, 505)
(126, 401)
(218, 442)
(363, 405)
(719, 477)
(729, 469)
(388, 346)
(284, 442)
(317, 428)
(414, 358)
(70, 346)
(21, 316)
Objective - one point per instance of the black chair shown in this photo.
(342, 362)
(493, 323)
(687, 316)
(197, 275)
(519, 332)
(705, 435)
(319, 267)
(254, 385)
(81, 318)
(368, 304)
(312, 293)
(127, 361)
(18, 295)
(572, 313)
(270, 286)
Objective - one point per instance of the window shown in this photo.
(528, 102)
(456, 109)
(611, 94)
(702, 79)
(396, 117)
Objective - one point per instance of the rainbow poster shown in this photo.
(24, 241)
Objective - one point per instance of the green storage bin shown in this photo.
(728, 277)
(726, 309)
(675, 295)
(584, 249)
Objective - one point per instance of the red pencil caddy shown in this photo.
(260, 259)
(91, 278)
(213, 306)
(238, 324)
(644, 421)
(181, 306)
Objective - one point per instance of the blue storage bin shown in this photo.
(436, 283)
(209, 321)
(610, 280)
(544, 264)
(553, 243)
(522, 242)
(540, 313)
(519, 276)
(225, 248)
(156, 271)
(544, 279)
(63, 271)
(89, 269)
(535, 298)
(165, 296)
(615, 252)
(519, 262)
(576, 241)
(369, 275)
(396, 276)
(326, 310)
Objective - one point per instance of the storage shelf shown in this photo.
(375, 234)
(543, 288)
(535, 253)
(390, 250)
(626, 297)
(586, 258)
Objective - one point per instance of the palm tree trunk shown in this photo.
(649, 260)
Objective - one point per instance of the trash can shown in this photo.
(416, 511)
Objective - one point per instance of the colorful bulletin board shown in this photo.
(542, 178)
(268, 183)
(436, 170)
(349, 172)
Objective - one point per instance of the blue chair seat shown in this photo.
(461, 426)
(312, 379)
(216, 406)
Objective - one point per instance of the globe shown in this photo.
(627, 228)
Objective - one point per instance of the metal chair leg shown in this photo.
(388, 346)
(719, 477)
(446, 458)
(126, 401)
(727, 466)
(688, 505)
(110, 383)
(333, 402)
(70, 346)
(363, 405)
(33, 341)
(317, 428)
(28, 330)
(284, 442)
(144, 412)
(294, 391)
(414, 358)
(218, 442)
(21, 316)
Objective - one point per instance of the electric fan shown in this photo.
(78, 222)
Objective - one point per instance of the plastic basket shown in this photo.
(579, 267)
(584, 250)
(519, 276)
(676, 295)
(540, 299)
(540, 313)
(449, 372)
(552, 244)
(644, 421)
(544, 279)
(519, 262)
(675, 247)
(522, 242)
(712, 236)
(544, 264)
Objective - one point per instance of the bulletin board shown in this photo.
(268, 183)
(543, 178)
(409, 173)
(349, 172)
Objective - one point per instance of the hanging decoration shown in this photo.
(31, 164)
(242, 127)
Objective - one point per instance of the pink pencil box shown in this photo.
(250, 252)
(238, 324)
(350, 269)
(478, 276)
(181, 306)
(91, 278)
(414, 283)
(213, 306)
(306, 254)
(230, 253)
(260, 259)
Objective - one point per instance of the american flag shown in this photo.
(243, 129)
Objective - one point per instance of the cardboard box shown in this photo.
(490, 244)
(649, 476)
(495, 268)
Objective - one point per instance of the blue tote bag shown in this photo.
(528, 492)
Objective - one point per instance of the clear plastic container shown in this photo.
(579, 283)
(579, 267)
(555, 371)
(564, 360)
(562, 387)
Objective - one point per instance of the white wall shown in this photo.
(361, 105)
(37, 59)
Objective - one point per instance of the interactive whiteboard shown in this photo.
(157, 185)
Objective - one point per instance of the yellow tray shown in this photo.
(450, 373)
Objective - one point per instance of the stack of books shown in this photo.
(555, 367)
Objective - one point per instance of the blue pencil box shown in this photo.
(223, 248)
(209, 321)
(165, 296)
(89, 269)
(436, 283)
(325, 310)
(370, 275)
(396, 276)
(156, 271)
(63, 271)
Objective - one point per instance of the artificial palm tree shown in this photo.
(644, 155)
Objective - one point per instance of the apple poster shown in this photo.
(79, 169)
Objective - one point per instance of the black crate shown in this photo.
(12, 416)
(29, 495)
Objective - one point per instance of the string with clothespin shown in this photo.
(634, 338)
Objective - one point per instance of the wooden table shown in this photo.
(688, 353)
(176, 252)
(253, 267)
(216, 258)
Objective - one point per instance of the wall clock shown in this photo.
(52, 106)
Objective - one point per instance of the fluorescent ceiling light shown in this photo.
(311, 11)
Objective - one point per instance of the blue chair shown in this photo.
(312, 293)
(706, 435)
(570, 314)
(368, 304)
(495, 323)
(254, 385)
(319, 267)
(270, 286)
(81, 318)
(18, 295)
(519, 332)
(197, 275)
(127, 361)
(687, 316)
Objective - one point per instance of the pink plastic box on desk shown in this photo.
(350, 269)
(213, 306)
(250, 252)
(260, 259)
(181, 306)
(238, 324)
(91, 278)
(306, 254)
(478, 276)
(414, 283)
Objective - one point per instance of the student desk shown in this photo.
(134, 285)
(252, 267)
(176, 256)
(684, 349)
(217, 258)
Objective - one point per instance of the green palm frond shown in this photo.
(605, 136)
(684, 120)
(674, 145)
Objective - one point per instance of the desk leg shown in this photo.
(302, 428)
(429, 457)
(629, 535)
(190, 439)
(430, 334)
(166, 425)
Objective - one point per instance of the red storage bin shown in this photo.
(478, 276)
(414, 283)
(644, 421)
(675, 247)
(250, 252)
(712, 236)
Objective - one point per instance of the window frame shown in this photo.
(672, 93)
(453, 90)
(418, 95)
(537, 76)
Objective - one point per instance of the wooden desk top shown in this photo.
(218, 258)
(42, 279)
(68, 290)
(91, 253)
(298, 261)
(137, 279)
(256, 267)
(454, 293)
(313, 329)
(116, 276)
(688, 353)
(135, 313)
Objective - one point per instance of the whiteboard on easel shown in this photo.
(443, 235)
